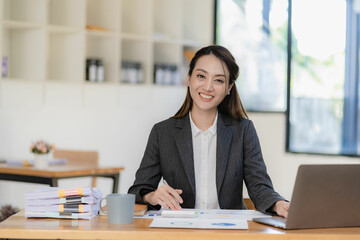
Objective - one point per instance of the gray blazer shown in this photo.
(169, 154)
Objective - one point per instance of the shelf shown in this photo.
(106, 49)
(10, 24)
(195, 25)
(111, 84)
(65, 56)
(192, 43)
(160, 38)
(167, 18)
(63, 29)
(137, 51)
(136, 17)
(21, 80)
(167, 53)
(136, 37)
(21, 94)
(32, 11)
(105, 15)
(24, 49)
(95, 33)
(63, 82)
(67, 13)
(48, 41)
(167, 64)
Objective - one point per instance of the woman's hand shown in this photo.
(282, 208)
(165, 196)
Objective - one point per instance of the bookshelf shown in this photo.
(47, 41)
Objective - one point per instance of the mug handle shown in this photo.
(101, 206)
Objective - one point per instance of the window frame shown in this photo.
(351, 85)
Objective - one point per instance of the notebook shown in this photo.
(140, 209)
(323, 196)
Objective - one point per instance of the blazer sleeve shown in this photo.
(257, 180)
(149, 173)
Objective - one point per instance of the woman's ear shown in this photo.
(188, 81)
(230, 87)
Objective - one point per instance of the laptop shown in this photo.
(324, 196)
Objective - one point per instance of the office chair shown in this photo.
(249, 204)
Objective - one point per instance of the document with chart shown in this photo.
(206, 219)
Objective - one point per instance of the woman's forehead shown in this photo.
(211, 64)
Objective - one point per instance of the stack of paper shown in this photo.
(29, 163)
(74, 203)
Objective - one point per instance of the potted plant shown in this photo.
(42, 152)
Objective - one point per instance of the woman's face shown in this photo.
(208, 83)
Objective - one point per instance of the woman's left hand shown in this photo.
(282, 208)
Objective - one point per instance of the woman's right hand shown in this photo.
(165, 196)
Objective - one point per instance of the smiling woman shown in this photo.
(208, 148)
(224, 68)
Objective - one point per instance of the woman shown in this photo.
(208, 148)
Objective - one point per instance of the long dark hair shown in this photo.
(231, 105)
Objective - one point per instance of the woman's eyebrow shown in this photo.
(202, 70)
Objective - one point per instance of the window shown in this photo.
(255, 31)
(323, 98)
(319, 57)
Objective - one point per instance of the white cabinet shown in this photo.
(48, 41)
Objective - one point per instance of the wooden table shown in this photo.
(17, 226)
(51, 175)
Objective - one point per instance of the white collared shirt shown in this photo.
(204, 147)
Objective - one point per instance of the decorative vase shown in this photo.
(41, 161)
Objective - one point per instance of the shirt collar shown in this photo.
(195, 130)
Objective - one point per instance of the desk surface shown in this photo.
(51, 175)
(17, 226)
(59, 171)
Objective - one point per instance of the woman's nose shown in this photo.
(209, 85)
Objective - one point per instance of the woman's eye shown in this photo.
(219, 81)
(200, 76)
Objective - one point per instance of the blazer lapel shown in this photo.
(224, 139)
(183, 140)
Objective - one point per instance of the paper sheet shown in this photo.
(199, 223)
(214, 213)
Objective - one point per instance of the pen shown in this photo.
(165, 182)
